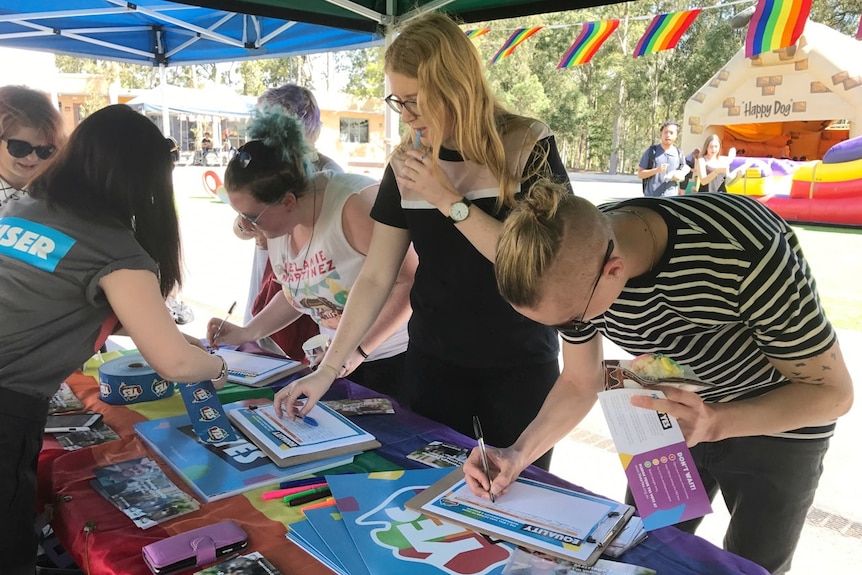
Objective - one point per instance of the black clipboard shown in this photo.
(593, 543)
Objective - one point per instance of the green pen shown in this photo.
(293, 496)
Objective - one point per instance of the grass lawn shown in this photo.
(835, 256)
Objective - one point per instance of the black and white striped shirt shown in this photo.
(731, 290)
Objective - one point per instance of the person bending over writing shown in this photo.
(746, 318)
(97, 245)
(318, 230)
(463, 163)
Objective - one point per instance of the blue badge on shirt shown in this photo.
(34, 244)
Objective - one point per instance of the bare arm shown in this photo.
(135, 298)
(359, 229)
(368, 295)
(568, 402)
(277, 315)
(821, 390)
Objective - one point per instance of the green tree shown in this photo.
(364, 68)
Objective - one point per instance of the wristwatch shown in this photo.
(459, 210)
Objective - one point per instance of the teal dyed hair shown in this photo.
(280, 158)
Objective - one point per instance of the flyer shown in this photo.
(661, 473)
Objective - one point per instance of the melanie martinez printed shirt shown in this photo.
(318, 278)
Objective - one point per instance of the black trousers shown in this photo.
(382, 375)
(22, 422)
(505, 399)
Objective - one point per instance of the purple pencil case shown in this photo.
(194, 548)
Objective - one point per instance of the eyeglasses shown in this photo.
(579, 324)
(22, 149)
(253, 220)
(399, 105)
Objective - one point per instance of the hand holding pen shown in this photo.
(483, 454)
(215, 328)
(503, 467)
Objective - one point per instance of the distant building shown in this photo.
(352, 132)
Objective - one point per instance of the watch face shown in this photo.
(459, 211)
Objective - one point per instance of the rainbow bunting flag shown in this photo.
(776, 24)
(664, 32)
(515, 40)
(593, 35)
(477, 32)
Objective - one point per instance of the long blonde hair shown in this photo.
(533, 238)
(435, 51)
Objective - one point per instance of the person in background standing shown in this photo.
(31, 130)
(662, 166)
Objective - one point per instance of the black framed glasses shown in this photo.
(579, 324)
(22, 149)
(399, 105)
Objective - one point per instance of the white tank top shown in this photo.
(319, 276)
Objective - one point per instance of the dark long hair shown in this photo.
(117, 168)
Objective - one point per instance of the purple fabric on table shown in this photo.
(667, 550)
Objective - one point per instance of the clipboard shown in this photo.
(565, 523)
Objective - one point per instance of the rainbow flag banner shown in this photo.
(475, 33)
(593, 35)
(776, 24)
(515, 40)
(664, 32)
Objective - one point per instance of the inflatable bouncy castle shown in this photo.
(795, 118)
(820, 191)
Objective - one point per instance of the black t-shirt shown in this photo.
(458, 314)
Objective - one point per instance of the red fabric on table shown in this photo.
(291, 338)
(70, 475)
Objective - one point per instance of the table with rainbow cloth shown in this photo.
(113, 547)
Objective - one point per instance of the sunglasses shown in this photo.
(399, 105)
(579, 324)
(22, 149)
(243, 157)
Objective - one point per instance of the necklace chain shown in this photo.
(294, 291)
(641, 217)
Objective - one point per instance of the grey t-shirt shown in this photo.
(52, 311)
(660, 184)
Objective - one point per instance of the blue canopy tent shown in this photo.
(161, 33)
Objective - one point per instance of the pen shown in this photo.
(328, 502)
(416, 141)
(221, 325)
(305, 492)
(279, 493)
(306, 482)
(309, 498)
(477, 429)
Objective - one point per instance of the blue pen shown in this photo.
(416, 141)
(300, 482)
(309, 420)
